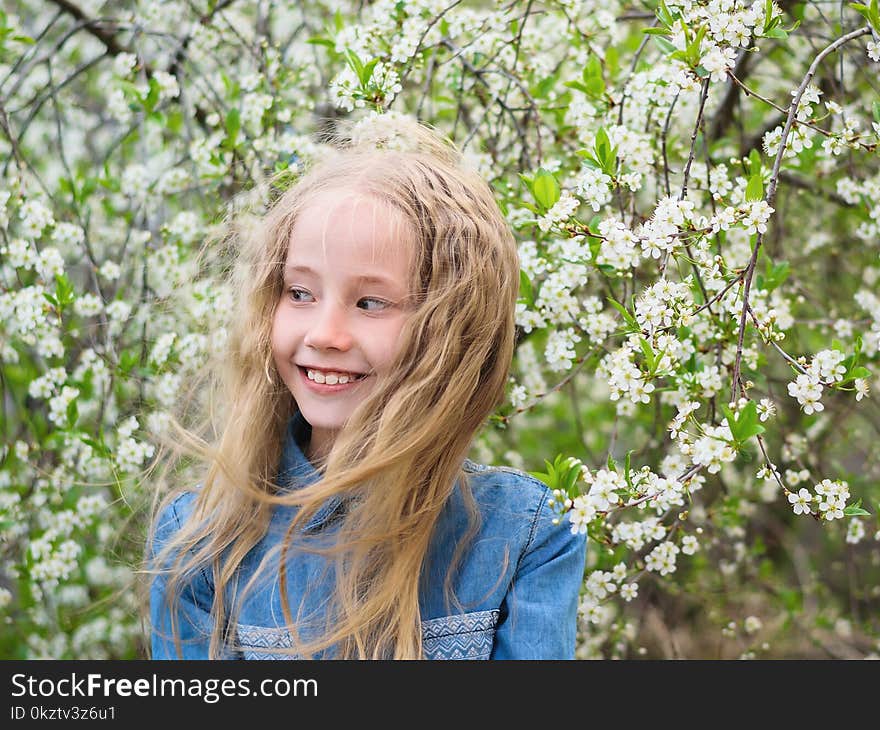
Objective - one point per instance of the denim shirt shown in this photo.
(516, 585)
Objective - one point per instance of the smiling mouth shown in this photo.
(331, 377)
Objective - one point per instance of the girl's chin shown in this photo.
(321, 417)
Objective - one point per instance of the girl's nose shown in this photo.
(329, 329)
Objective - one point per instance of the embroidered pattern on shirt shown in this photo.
(467, 636)
(255, 642)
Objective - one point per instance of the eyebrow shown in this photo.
(364, 278)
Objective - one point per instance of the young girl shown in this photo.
(339, 515)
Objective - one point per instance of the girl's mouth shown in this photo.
(321, 381)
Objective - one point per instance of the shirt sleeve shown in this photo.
(191, 614)
(539, 612)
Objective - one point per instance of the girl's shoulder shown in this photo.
(517, 506)
(504, 475)
(173, 515)
(504, 483)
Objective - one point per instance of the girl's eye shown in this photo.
(378, 304)
(301, 296)
(296, 293)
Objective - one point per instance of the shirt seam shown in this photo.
(533, 531)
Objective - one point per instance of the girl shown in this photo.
(338, 516)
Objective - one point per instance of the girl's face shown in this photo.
(342, 308)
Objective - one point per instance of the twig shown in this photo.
(771, 190)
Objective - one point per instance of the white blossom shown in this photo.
(801, 501)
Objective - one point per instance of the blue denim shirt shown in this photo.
(516, 585)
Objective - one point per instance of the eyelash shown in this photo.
(295, 290)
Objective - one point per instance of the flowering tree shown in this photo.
(694, 190)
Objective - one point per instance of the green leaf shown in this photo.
(233, 125)
(774, 275)
(320, 41)
(664, 44)
(562, 474)
(545, 477)
(595, 245)
(594, 83)
(627, 470)
(744, 425)
(755, 188)
(576, 85)
(603, 145)
(525, 289)
(870, 14)
(72, 413)
(544, 87)
(693, 49)
(175, 121)
(754, 163)
(663, 15)
(647, 352)
(628, 318)
(612, 60)
(612, 465)
(153, 96)
(64, 295)
(368, 73)
(127, 360)
(571, 477)
(606, 155)
(855, 510)
(589, 160)
(355, 63)
(545, 189)
(750, 429)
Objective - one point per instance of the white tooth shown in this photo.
(311, 374)
(319, 377)
(331, 379)
(343, 379)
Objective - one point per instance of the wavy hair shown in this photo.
(396, 460)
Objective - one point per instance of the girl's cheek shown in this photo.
(282, 327)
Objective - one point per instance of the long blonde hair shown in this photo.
(397, 458)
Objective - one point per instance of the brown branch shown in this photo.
(724, 115)
(92, 26)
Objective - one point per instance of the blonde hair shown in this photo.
(398, 457)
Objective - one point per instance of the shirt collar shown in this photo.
(295, 469)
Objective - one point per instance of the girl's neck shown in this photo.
(319, 444)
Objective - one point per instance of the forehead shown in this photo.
(350, 229)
